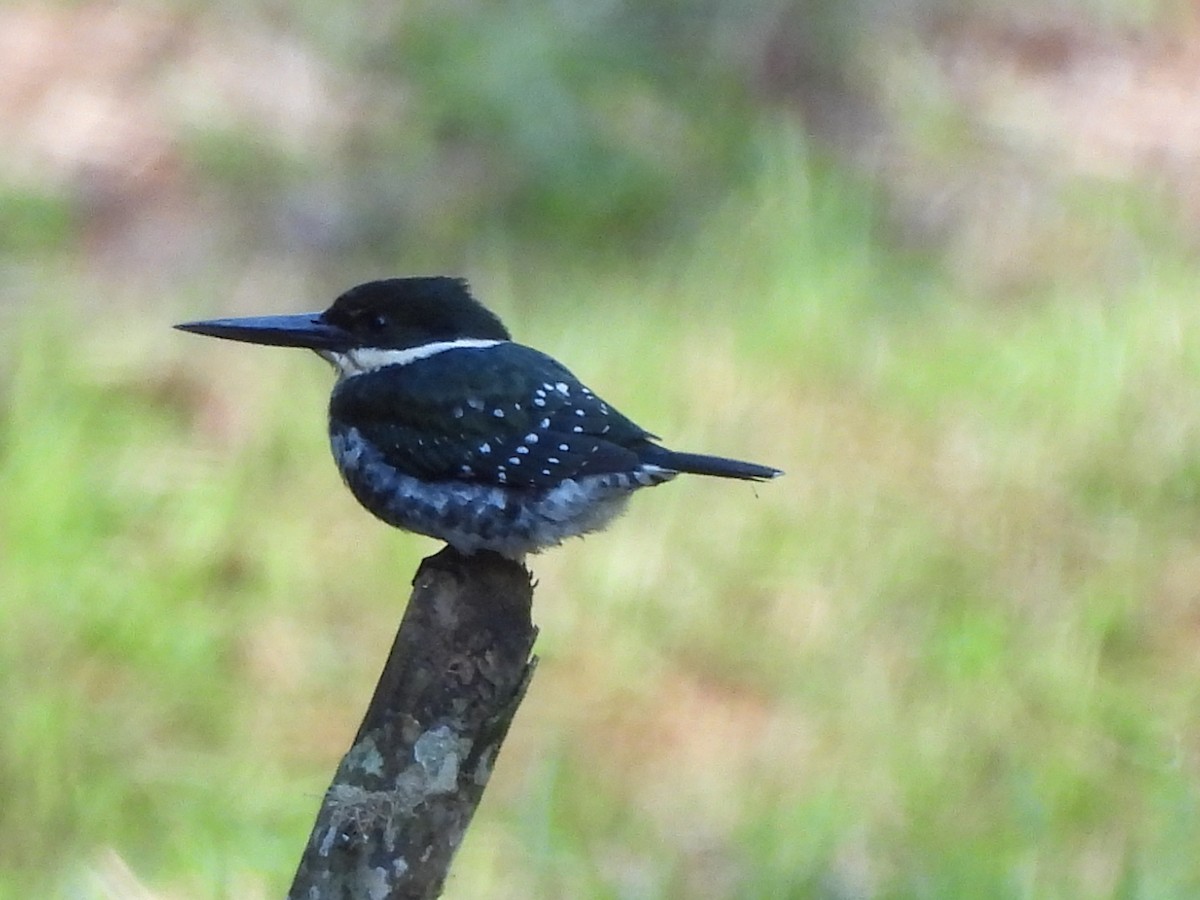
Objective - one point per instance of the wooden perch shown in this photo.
(405, 792)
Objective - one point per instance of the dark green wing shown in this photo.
(505, 414)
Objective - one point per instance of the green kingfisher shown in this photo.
(442, 425)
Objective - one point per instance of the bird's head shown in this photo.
(375, 324)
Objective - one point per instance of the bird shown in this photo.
(441, 424)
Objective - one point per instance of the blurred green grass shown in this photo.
(952, 653)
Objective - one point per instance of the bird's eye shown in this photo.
(377, 322)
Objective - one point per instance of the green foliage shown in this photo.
(592, 121)
(551, 123)
(125, 595)
(32, 221)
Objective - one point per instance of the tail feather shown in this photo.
(699, 464)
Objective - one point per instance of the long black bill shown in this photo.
(307, 330)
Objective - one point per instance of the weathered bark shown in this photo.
(405, 792)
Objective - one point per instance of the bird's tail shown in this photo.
(699, 464)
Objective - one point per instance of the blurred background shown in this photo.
(936, 260)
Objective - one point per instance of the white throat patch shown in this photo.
(361, 360)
